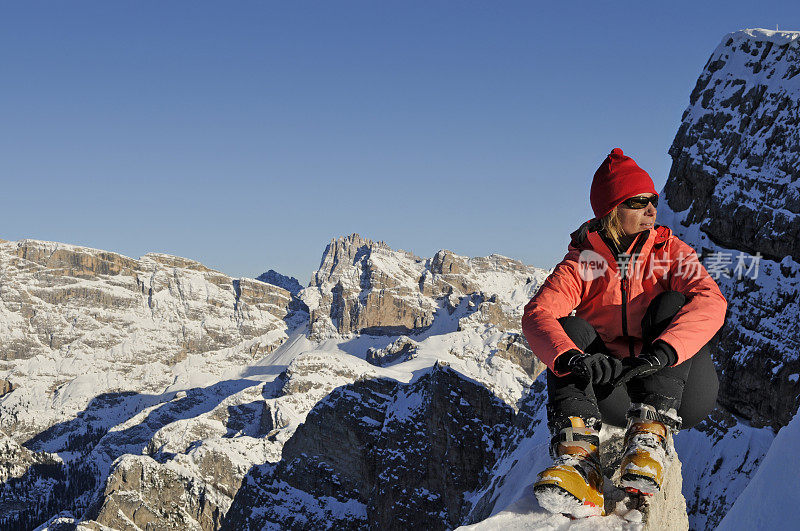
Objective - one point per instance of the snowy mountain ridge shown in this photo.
(778, 37)
(112, 386)
(70, 311)
(200, 451)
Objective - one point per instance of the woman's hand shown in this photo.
(596, 368)
(659, 355)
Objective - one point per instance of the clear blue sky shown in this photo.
(246, 135)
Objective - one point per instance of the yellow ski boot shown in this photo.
(573, 485)
(648, 449)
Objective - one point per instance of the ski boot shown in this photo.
(573, 485)
(648, 448)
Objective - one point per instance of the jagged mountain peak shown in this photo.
(367, 287)
(357, 240)
(350, 246)
(347, 250)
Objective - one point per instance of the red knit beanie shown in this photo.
(617, 179)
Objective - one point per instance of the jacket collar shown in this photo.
(580, 237)
(662, 235)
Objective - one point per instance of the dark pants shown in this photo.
(690, 387)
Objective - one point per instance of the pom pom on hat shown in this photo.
(617, 179)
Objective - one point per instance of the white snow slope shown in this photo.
(772, 498)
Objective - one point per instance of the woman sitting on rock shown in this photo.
(623, 325)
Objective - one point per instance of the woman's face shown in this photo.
(635, 221)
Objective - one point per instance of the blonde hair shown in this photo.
(612, 226)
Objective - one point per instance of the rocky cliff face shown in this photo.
(76, 322)
(90, 339)
(366, 287)
(733, 193)
(56, 293)
(383, 455)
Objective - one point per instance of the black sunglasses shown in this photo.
(639, 202)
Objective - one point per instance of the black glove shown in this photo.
(592, 368)
(651, 360)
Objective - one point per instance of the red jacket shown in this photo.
(579, 283)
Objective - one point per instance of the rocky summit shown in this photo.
(393, 391)
(733, 193)
(366, 287)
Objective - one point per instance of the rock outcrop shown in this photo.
(140, 494)
(364, 286)
(5, 387)
(403, 349)
(734, 194)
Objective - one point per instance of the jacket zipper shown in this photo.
(634, 258)
(624, 287)
(625, 316)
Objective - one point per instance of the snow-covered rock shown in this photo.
(290, 284)
(734, 192)
(379, 453)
